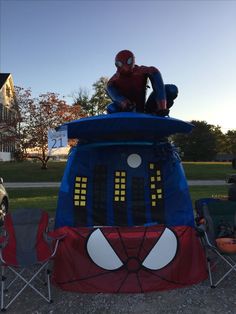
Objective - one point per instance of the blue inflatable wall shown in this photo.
(124, 183)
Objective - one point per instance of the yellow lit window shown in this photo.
(84, 185)
(151, 166)
(152, 179)
(122, 186)
(122, 180)
(76, 197)
(77, 185)
(82, 203)
(117, 192)
(76, 203)
(77, 191)
(159, 195)
(78, 179)
(158, 172)
(84, 179)
(122, 192)
(117, 180)
(159, 191)
(153, 186)
(154, 196)
(158, 178)
(83, 191)
(117, 173)
(153, 203)
(122, 173)
(117, 186)
(117, 198)
(82, 197)
(122, 198)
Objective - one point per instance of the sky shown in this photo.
(64, 45)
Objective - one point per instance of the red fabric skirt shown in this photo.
(128, 259)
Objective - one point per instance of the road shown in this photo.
(19, 185)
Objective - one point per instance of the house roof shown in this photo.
(3, 78)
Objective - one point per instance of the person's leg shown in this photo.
(171, 94)
(151, 107)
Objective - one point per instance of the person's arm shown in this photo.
(158, 88)
(123, 102)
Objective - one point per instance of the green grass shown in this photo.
(44, 198)
(207, 170)
(31, 171)
(47, 198)
(200, 191)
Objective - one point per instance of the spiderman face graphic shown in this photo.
(123, 259)
(124, 62)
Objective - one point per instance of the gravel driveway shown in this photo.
(194, 299)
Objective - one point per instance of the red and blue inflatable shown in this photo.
(124, 203)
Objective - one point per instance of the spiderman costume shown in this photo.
(127, 88)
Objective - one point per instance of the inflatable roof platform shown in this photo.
(125, 126)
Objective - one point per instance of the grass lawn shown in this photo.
(31, 171)
(208, 191)
(28, 171)
(46, 198)
(207, 170)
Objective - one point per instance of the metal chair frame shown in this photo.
(213, 254)
(25, 273)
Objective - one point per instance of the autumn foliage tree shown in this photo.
(36, 116)
(47, 112)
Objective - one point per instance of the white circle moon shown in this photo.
(134, 160)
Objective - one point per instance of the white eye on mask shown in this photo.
(130, 61)
(119, 64)
(162, 253)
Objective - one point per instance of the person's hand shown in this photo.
(127, 105)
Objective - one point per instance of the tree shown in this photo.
(36, 116)
(81, 98)
(200, 144)
(221, 142)
(231, 142)
(96, 103)
(47, 112)
(100, 99)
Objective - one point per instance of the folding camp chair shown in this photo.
(216, 227)
(26, 250)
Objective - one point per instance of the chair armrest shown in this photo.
(201, 230)
(55, 237)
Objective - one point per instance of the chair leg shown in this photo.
(2, 287)
(27, 284)
(209, 272)
(49, 285)
(229, 261)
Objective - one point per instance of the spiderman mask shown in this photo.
(124, 62)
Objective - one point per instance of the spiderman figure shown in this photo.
(127, 88)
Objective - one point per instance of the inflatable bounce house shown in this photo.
(124, 202)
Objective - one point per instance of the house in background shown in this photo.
(8, 105)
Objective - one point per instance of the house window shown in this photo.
(1, 112)
(1, 144)
(8, 91)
